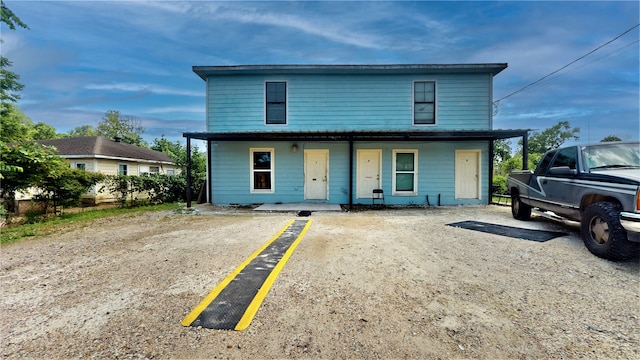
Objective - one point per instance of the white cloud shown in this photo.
(319, 27)
(129, 87)
(196, 109)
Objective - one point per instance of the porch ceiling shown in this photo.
(411, 135)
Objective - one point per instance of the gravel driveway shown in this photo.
(372, 284)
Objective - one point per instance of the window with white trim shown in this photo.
(79, 166)
(276, 103)
(405, 172)
(147, 169)
(262, 171)
(424, 102)
(171, 172)
(123, 169)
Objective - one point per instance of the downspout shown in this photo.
(188, 172)
(350, 173)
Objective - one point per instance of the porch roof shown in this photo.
(386, 135)
(353, 136)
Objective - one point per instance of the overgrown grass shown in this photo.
(16, 233)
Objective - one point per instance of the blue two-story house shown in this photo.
(334, 133)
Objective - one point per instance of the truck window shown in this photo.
(544, 164)
(566, 157)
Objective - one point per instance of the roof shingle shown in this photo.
(98, 146)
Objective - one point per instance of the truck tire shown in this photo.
(519, 210)
(603, 235)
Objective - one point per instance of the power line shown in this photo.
(580, 67)
(495, 103)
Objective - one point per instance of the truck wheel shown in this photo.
(603, 235)
(519, 210)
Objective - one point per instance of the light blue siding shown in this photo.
(356, 102)
(436, 166)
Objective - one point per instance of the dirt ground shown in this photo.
(384, 284)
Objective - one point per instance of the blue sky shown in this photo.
(82, 58)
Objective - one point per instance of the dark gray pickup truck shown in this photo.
(597, 185)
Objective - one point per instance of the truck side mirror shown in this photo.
(562, 171)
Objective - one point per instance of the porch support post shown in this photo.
(188, 172)
(208, 181)
(350, 173)
(491, 155)
(525, 151)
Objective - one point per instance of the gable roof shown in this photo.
(394, 69)
(100, 147)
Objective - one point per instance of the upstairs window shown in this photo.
(276, 103)
(154, 169)
(424, 103)
(262, 170)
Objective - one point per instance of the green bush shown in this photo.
(157, 188)
(118, 186)
(65, 188)
(499, 185)
(33, 217)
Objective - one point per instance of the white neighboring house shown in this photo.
(109, 157)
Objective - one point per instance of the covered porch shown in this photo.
(352, 137)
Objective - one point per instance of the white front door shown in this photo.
(467, 174)
(316, 165)
(368, 172)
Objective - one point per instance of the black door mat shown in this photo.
(234, 302)
(510, 231)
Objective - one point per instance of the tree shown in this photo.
(9, 18)
(610, 138)
(83, 130)
(42, 131)
(127, 128)
(501, 150)
(552, 138)
(66, 186)
(174, 150)
(9, 81)
(15, 126)
(34, 161)
(178, 153)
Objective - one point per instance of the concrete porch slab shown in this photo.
(299, 207)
